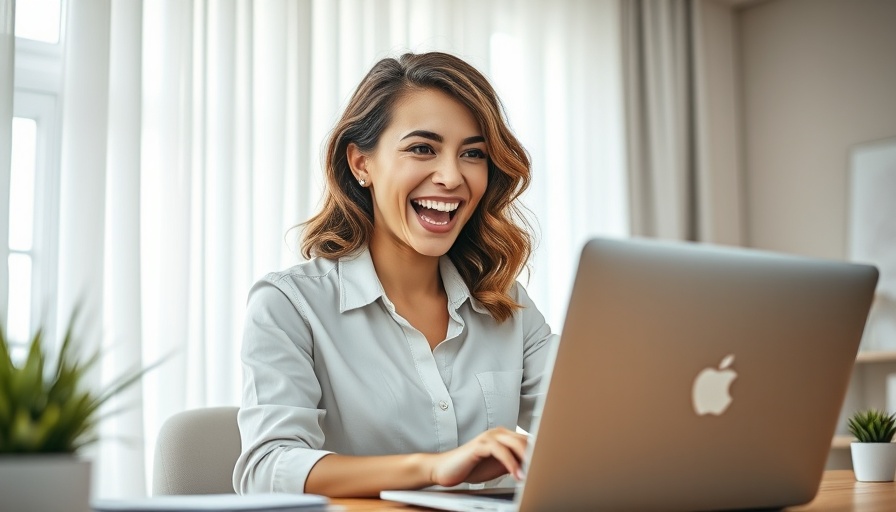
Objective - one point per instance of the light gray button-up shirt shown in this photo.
(329, 366)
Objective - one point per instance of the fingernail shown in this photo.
(519, 474)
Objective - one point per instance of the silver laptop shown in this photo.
(689, 377)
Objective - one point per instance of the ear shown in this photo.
(357, 161)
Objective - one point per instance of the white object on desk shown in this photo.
(215, 502)
(891, 393)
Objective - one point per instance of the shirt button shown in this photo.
(443, 405)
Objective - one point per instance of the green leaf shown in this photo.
(48, 422)
(27, 386)
(5, 410)
(47, 409)
(67, 340)
(872, 426)
(125, 381)
(5, 358)
(22, 432)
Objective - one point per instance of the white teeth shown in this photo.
(436, 223)
(437, 205)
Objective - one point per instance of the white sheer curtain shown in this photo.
(192, 138)
(7, 65)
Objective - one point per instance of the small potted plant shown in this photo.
(46, 415)
(873, 453)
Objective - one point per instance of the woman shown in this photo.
(403, 354)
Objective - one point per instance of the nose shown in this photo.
(448, 174)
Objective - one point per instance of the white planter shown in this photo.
(44, 483)
(874, 462)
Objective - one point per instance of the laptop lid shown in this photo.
(695, 377)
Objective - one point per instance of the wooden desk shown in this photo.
(839, 492)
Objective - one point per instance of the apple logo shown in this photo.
(710, 393)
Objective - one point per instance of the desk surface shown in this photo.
(839, 492)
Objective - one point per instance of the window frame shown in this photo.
(37, 94)
(43, 109)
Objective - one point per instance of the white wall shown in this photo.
(818, 76)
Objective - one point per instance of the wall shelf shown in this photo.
(876, 356)
(841, 442)
(873, 376)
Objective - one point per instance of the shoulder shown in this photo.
(518, 293)
(528, 313)
(315, 268)
(308, 273)
(312, 278)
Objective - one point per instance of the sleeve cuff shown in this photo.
(292, 468)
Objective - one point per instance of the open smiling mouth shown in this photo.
(437, 213)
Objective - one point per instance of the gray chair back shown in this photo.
(196, 452)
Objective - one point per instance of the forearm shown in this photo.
(341, 476)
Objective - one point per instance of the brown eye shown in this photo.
(421, 150)
(474, 153)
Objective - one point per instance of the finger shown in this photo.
(506, 447)
(515, 442)
(503, 433)
(508, 459)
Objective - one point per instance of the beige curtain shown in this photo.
(7, 65)
(681, 118)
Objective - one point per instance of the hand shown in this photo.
(489, 455)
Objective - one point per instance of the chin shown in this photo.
(433, 248)
(434, 252)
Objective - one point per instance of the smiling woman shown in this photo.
(461, 139)
(374, 358)
(205, 121)
(425, 183)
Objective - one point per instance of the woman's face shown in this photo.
(426, 174)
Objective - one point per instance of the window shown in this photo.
(34, 176)
(38, 20)
(21, 229)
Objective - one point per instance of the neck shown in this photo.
(403, 272)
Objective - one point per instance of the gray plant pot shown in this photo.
(44, 483)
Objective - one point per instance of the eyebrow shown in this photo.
(438, 138)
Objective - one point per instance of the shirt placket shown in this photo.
(444, 415)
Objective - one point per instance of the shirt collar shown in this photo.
(358, 283)
(360, 286)
(456, 288)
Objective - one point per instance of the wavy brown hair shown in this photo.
(494, 246)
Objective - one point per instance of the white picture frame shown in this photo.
(872, 233)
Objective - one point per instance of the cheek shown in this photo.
(478, 182)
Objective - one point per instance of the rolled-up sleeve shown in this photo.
(280, 418)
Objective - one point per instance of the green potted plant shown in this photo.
(873, 452)
(47, 413)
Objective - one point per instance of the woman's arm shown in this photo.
(489, 455)
(280, 417)
(539, 348)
